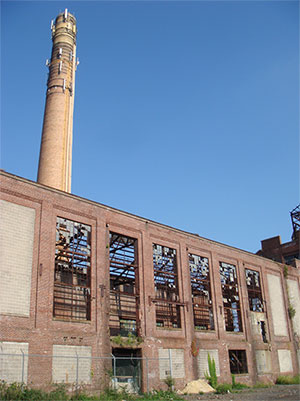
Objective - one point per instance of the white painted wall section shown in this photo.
(177, 360)
(263, 361)
(14, 365)
(277, 305)
(202, 361)
(285, 361)
(294, 298)
(64, 364)
(16, 251)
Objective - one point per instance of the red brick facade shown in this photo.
(42, 331)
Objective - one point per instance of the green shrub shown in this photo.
(237, 386)
(224, 388)
(83, 397)
(114, 395)
(59, 393)
(240, 386)
(32, 394)
(288, 379)
(13, 391)
(211, 377)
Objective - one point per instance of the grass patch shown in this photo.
(159, 396)
(21, 392)
(262, 385)
(288, 379)
(224, 388)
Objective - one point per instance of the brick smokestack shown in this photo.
(56, 145)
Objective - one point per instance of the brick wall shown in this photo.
(38, 328)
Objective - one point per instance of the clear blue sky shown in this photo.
(186, 113)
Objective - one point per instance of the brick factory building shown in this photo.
(78, 274)
(88, 283)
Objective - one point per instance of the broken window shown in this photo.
(167, 302)
(238, 361)
(124, 294)
(201, 292)
(254, 291)
(231, 300)
(72, 275)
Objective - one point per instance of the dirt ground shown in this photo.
(275, 393)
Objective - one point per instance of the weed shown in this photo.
(224, 388)
(169, 382)
(291, 311)
(130, 341)
(59, 393)
(114, 395)
(288, 379)
(161, 395)
(13, 391)
(261, 385)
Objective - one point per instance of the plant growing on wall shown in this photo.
(130, 341)
(291, 311)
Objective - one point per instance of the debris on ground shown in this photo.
(196, 387)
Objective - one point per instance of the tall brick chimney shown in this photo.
(56, 145)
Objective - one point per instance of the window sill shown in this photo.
(56, 319)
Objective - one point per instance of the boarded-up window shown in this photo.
(13, 362)
(71, 364)
(277, 305)
(202, 361)
(171, 363)
(16, 250)
(285, 360)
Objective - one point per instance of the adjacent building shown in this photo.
(287, 252)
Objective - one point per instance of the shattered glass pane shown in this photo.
(254, 291)
(231, 300)
(124, 294)
(166, 287)
(72, 287)
(201, 292)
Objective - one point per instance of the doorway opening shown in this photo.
(127, 370)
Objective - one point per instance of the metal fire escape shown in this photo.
(295, 216)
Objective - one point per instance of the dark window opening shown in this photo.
(231, 300)
(254, 291)
(201, 293)
(289, 259)
(263, 331)
(238, 361)
(124, 294)
(126, 369)
(167, 303)
(72, 274)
